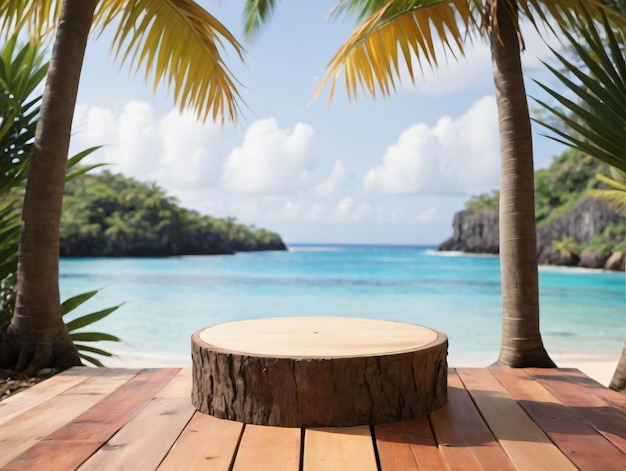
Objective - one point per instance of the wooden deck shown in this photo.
(109, 419)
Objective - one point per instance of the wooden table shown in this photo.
(110, 419)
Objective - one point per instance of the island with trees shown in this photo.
(110, 215)
(574, 228)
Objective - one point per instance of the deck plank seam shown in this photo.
(131, 416)
(530, 416)
(578, 417)
(236, 451)
(376, 454)
(486, 422)
(301, 461)
(581, 416)
(437, 444)
(96, 374)
(175, 440)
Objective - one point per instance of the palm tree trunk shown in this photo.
(618, 382)
(521, 341)
(37, 337)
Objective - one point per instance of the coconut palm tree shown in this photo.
(394, 31)
(176, 42)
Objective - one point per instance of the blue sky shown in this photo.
(372, 171)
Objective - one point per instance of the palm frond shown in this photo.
(179, 43)
(37, 17)
(72, 303)
(399, 31)
(615, 198)
(255, 13)
(613, 182)
(596, 122)
(565, 13)
(93, 337)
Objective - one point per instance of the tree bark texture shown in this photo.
(521, 340)
(37, 337)
(318, 392)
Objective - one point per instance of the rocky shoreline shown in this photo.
(185, 244)
(478, 232)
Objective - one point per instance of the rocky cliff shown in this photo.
(566, 240)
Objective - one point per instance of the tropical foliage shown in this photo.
(565, 183)
(79, 337)
(177, 43)
(593, 122)
(569, 179)
(22, 68)
(483, 202)
(112, 215)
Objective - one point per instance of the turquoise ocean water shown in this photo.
(167, 299)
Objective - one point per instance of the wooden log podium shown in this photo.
(318, 371)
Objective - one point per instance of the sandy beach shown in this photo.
(599, 369)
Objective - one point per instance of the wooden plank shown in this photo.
(464, 440)
(206, 444)
(574, 376)
(71, 445)
(41, 392)
(603, 415)
(407, 446)
(25, 430)
(179, 386)
(582, 381)
(582, 444)
(269, 448)
(526, 444)
(145, 440)
(339, 449)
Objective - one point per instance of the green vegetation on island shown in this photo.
(108, 214)
(557, 189)
(573, 227)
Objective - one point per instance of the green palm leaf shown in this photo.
(93, 337)
(90, 318)
(75, 301)
(257, 12)
(97, 351)
(596, 124)
(84, 321)
(92, 360)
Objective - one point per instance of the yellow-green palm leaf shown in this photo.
(174, 41)
(616, 195)
(407, 30)
(372, 55)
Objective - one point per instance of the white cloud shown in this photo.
(335, 181)
(271, 160)
(174, 150)
(452, 158)
(429, 215)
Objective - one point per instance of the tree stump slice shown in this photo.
(318, 371)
